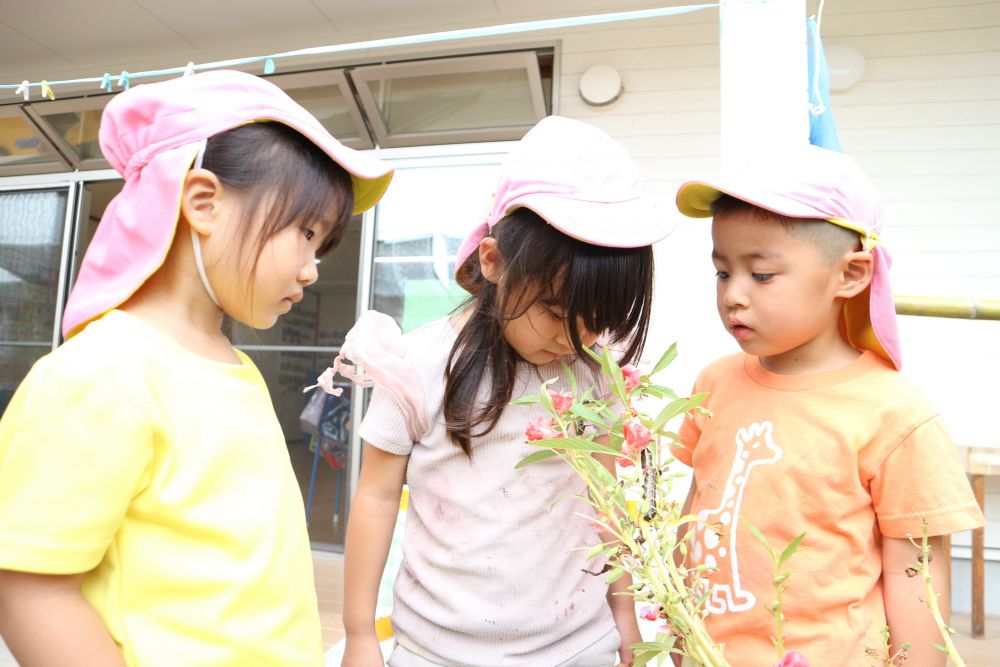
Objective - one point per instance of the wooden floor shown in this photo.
(329, 589)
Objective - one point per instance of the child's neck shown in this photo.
(176, 303)
(828, 353)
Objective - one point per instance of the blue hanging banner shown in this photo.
(822, 131)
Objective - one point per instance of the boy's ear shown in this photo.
(201, 199)
(489, 259)
(856, 273)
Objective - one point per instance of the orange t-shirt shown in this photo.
(846, 457)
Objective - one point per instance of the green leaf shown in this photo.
(581, 410)
(614, 373)
(640, 658)
(651, 646)
(678, 407)
(535, 458)
(527, 400)
(576, 444)
(615, 575)
(763, 540)
(790, 549)
(646, 651)
(943, 649)
(659, 391)
(571, 376)
(596, 470)
(665, 360)
(596, 550)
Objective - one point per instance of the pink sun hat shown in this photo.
(151, 135)
(813, 182)
(580, 181)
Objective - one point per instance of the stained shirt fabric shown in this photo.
(492, 572)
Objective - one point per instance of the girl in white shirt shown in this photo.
(492, 571)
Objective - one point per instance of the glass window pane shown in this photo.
(318, 437)
(416, 242)
(31, 232)
(327, 103)
(21, 144)
(415, 293)
(458, 101)
(79, 129)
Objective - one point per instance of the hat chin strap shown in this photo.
(196, 240)
(196, 243)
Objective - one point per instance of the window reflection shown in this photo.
(31, 226)
(420, 224)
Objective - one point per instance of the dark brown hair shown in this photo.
(608, 289)
(277, 167)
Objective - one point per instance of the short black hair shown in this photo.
(831, 240)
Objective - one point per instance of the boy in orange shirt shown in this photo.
(814, 429)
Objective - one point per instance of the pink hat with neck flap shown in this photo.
(814, 182)
(151, 135)
(579, 180)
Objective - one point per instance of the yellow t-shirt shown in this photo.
(846, 457)
(165, 477)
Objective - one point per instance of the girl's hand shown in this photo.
(362, 651)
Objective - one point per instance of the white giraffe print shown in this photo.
(754, 446)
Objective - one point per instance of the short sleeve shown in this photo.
(690, 432)
(384, 424)
(922, 480)
(689, 435)
(72, 457)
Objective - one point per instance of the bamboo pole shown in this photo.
(961, 308)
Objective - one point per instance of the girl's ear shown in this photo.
(489, 259)
(201, 200)
(855, 274)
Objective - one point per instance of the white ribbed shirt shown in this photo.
(492, 565)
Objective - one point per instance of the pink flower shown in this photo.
(650, 612)
(541, 430)
(636, 435)
(561, 400)
(792, 659)
(624, 462)
(632, 375)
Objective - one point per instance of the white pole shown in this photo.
(763, 65)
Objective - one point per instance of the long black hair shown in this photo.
(609, 290)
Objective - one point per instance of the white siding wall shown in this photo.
(924, 121)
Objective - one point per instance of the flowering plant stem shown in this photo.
(641, 536)
(924, 569)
